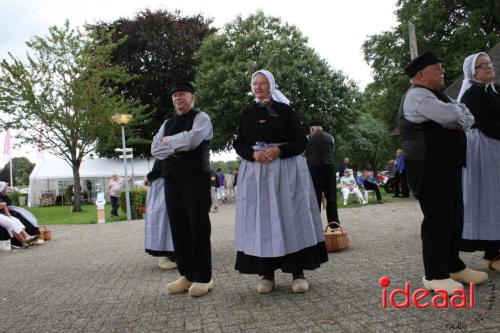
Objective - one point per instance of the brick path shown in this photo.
(97, 278)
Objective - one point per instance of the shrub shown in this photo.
(15, 195)
(137, 202)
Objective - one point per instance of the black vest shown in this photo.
(429, 141)
(185, 163)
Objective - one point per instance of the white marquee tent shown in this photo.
(55, 175)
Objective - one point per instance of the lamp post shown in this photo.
(123, 119)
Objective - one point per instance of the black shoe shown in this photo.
(405, 196)
(395, 195)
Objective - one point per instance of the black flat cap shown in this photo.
(420, 62)
(315, 123)
(181, 86)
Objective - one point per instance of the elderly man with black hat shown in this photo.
(432, 129)
(182, 144)
(320, 156)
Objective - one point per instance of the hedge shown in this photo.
(137, 202)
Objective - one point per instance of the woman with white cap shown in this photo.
(29, 220)
(12, 225)
(481, 176)
(278, 223)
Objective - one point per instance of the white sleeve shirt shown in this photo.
(184, 141)
(421, 105)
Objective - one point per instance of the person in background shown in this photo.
(12, 225)
(29, 220)
(214, 182)
(368, 182)
(114, 188)
(221, 192)
(400, 180)
(236, 170)
(157, 234)
(432, 128)
(348, 186)
(481, 176)
(344, 165)
(278, 223)
(320, 156)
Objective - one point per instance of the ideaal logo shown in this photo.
(419, 298)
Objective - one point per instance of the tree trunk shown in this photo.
(77, 202)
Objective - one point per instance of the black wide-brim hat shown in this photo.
(181, 86)
(420, 62)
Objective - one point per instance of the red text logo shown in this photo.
(419, 298)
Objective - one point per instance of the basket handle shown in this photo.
(334, 223)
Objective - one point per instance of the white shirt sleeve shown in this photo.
(183, 141)
(158, 149)
(421, 105)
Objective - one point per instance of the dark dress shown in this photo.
(481, 176)
(278, 225)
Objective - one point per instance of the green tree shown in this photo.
(367, 143)
(452, 29)
(158, 50)
(227, 61)
(21, 170)
(63, 93)
(227, 166)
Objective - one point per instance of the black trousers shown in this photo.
(438, 188)
(372, 187)
(115, 203)
(323, 177)
(400, 182)
(188, 204)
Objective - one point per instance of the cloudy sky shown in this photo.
(336, 29)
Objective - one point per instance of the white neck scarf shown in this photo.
(275, 93)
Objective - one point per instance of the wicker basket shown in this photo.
(336, 240)
(45, 233)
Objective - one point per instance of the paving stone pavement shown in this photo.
(97, 278)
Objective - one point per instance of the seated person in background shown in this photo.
(25, 217)
(344, 165)
(369, 184)
(14, 227)
(348, 185)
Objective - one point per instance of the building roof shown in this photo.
(92, 168)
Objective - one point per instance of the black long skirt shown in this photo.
(309, 258)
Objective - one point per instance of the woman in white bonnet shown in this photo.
(481, 177)
(14, 227)
(278, 223)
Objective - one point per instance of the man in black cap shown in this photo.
(432, 129)
(183, 144)
(320, 155)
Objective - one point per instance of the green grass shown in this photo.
(63, 215)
